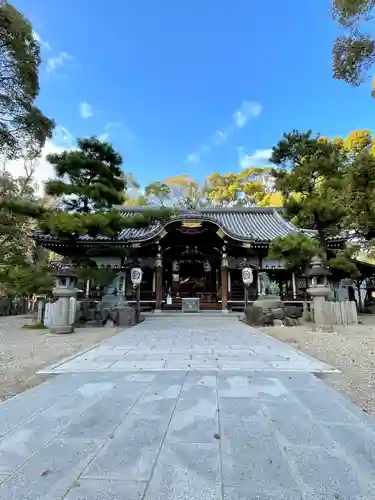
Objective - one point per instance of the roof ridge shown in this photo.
(241, 209)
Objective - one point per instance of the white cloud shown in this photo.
(42, 42)
(260, 157)
(103, 137)
(193, 158)
(63, 137)
(245, 112)
(123, 132)
(85, 110)
(62, 140)
(219, 137)
(43, 169)
(53, 63)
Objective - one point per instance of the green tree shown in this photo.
(245, 188)
(185, 192)
(295, 249)
(89, 177)
(26, 279)
(16, 195)
(360, 195)
(133, 195)
(310, 174)
(354, 52)
(158, 191)
(23, 127)
(345, 264)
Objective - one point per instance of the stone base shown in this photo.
(157, 311)
(323, 328)
(225, 311)
(61, 329)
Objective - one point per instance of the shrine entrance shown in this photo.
(192, 266)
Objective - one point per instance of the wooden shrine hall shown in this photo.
(196, 253)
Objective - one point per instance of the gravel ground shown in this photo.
(23, 351)
(351, 349)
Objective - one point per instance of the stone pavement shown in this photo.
(197, 342)
(235, 433)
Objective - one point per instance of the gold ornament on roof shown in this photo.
(191, 224)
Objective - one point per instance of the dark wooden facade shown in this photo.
(196, 253)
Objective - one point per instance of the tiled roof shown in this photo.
(260, 224)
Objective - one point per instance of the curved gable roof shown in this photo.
(244, 224)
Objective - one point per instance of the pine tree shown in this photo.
(89, 178)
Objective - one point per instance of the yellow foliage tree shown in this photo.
(357, 141)
(185, 191)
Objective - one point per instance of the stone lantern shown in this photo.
(62, 314)
(319, 290)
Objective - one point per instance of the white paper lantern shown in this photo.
(136, 275)
(247, 276)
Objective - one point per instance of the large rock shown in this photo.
(291, 321)
(278, 313)
(267, 319)
(124, 316)
(256, 316)
(293, 311)
(253, 315)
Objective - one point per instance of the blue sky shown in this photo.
(191, 86)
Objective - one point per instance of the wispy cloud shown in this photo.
(85, 110)
(121, 131)
(42, 42)
(193, 158)
(53, 63)
(260, 157)
(247, 111)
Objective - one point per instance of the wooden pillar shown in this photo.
(158, 281)
(87, 291)
(224, 281)
(259, 285)
(224, 289)
(294, 286)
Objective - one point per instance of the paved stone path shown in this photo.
(189, 343)
(232, 432)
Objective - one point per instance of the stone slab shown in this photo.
(51, 472)
(197, 433)
(131, 454)
(195, 343)
(247, 492)
(89, 489)
(186, 471)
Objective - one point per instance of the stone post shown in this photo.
(319, 291)
(61, 321)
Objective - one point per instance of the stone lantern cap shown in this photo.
(318, 271)
(317, 268)
(66, 273)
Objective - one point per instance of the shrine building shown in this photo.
(195, 253)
